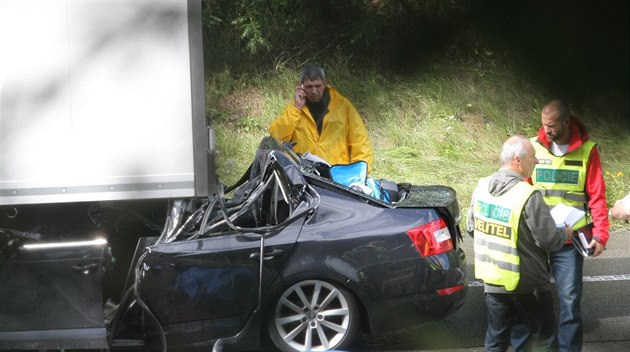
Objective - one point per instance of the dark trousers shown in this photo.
(533, 311)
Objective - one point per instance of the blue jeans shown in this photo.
(534, 313)
(567, 265)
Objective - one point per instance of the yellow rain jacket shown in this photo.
(344, 138)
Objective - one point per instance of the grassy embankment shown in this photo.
(443, 124)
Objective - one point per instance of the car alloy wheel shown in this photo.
(314, 315)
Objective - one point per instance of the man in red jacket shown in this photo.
(569, 172)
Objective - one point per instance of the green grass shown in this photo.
(441, 125)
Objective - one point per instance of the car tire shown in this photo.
(313, 315)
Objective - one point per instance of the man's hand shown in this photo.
(568, 232)
(598, 248)
(300, 96)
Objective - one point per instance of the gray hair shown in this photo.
(512, 147)
(312, 72)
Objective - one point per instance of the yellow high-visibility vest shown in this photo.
(496, 233)
(562, 179)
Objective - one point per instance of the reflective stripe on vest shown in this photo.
(496, 233)
(562, 179)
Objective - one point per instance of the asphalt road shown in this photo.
(605, 310)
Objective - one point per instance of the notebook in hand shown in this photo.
(581, 238)
(563, 214)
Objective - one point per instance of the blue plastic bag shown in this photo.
(355, 175)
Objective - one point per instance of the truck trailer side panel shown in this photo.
(101, 100)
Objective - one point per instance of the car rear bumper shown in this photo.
(401, 313)
(440, 293)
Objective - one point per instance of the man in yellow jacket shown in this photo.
(323, 122)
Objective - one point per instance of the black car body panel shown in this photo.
(192, 281)
(220, 265)
(53, 292)
(378, 263)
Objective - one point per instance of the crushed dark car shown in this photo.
(285, 259)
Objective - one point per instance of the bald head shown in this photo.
(557, 108)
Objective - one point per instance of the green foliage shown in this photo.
(435, 114)
(275, 33)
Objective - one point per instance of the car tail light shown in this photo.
(449, 290)
(432, 238)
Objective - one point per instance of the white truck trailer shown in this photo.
(101, 100)
(102, 125)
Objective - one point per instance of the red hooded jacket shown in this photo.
(595, 186)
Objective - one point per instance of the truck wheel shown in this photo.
(313, 315)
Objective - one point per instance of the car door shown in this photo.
(213, 279)
(51, 296)
(216, 277)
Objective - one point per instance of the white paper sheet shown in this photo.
(564, 214)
